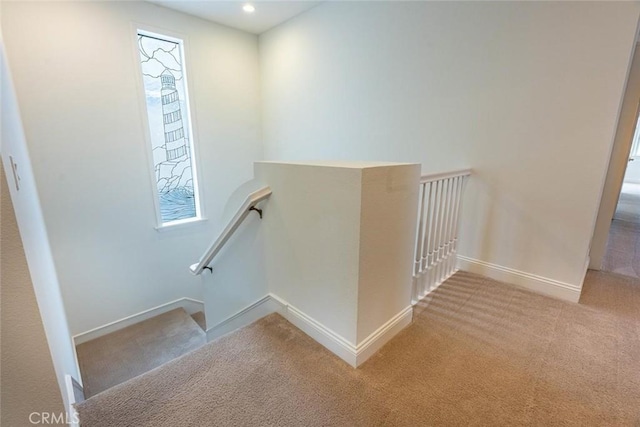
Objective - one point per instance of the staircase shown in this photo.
(479, 352)
(122, 355)
(357, 299)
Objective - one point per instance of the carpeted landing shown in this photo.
(478, 353)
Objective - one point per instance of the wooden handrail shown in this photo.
(444, 175)
(245, 209)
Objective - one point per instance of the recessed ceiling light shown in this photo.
(248, 8)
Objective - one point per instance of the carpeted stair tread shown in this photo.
(199, 318)
(119, 356)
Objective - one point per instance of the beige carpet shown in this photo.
(117, 357)
(478, 353)
(622, 254)
(628, 208)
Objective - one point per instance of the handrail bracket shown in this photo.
(253, 208)
(243, 211)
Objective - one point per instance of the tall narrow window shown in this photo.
(165, 88)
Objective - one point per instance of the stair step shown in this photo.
(119, 356)
(199, 318)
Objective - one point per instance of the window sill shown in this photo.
(180, 225)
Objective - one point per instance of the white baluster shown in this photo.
(461, 185)
(441, 221)
(419, 245)
(437, 239)
(447, 214)
(434, 235)
(449, 239)
(425, 243)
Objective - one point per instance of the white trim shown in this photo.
(432, 177)
(75, 358)
(539, 284)
(190, 305)
(374, 342)
(354, 355)
(323, 335)
(72, 414)
(338, 345)
(180, 224)
(635, 141)
(253, 312)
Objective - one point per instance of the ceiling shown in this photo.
(267, 15)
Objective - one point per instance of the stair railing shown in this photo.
(245, 209)
(437, 238)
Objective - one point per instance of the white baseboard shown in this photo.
(332, 341)
(374, 342)
(190, 306)
(539, 284)
(253, 312)
(354, 355)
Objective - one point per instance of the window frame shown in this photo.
(171, 36)
(635, 143)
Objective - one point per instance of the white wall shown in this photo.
(315, 270)
(237, 279)
(27, 366)
(388, 218)
(618, 162)
(525, 93)
(339, 244)
(77, 80)
(26, 369)
(632, 174)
